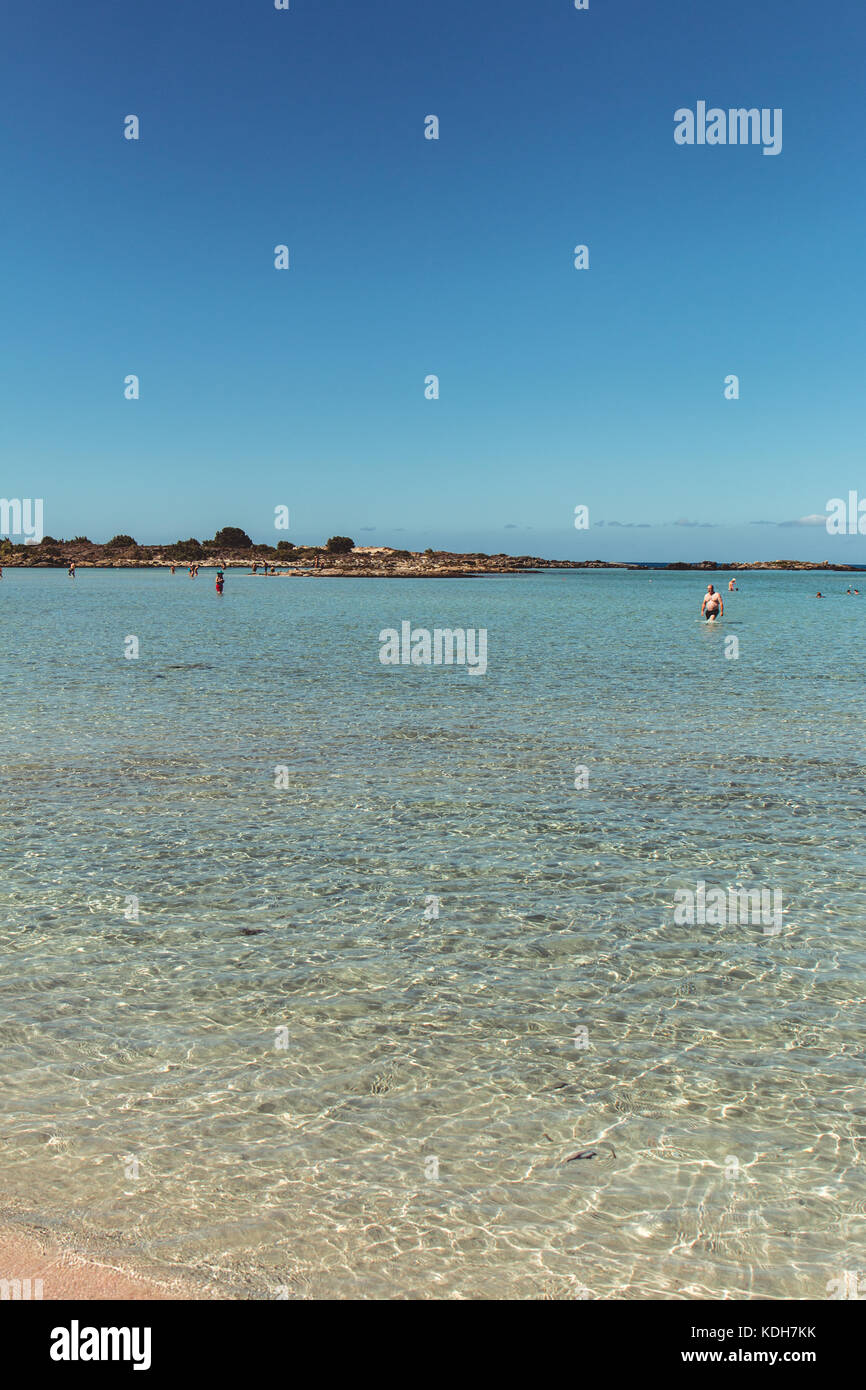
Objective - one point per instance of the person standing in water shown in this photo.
(732, 584)
(71, 570)
(712, 606)
(220, 580)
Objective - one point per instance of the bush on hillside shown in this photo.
(232, 538)
(186, 550)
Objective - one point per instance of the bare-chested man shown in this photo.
(712, 606)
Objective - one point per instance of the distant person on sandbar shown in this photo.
(712, 606)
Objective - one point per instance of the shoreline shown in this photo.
(419, 567)
(41, 1266)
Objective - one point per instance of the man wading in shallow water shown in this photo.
(712, 606)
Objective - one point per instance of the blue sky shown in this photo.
(455, 257)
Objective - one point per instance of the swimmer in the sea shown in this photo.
(732, 584)
(712, 606)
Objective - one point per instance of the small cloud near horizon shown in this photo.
(813, 520)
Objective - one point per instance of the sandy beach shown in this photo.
(66, 1274)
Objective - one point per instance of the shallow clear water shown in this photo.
(719, 1096)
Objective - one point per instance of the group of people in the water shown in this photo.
(193, 574)
(192, 570)
(712, 606)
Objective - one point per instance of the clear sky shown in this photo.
(412, 257)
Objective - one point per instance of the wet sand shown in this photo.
(65, 1274)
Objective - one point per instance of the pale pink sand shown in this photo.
(65, 1274)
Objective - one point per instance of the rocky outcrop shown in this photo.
(380, 562)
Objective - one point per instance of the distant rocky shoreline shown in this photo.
(373, 562)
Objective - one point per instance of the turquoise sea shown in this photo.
(462, 969)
